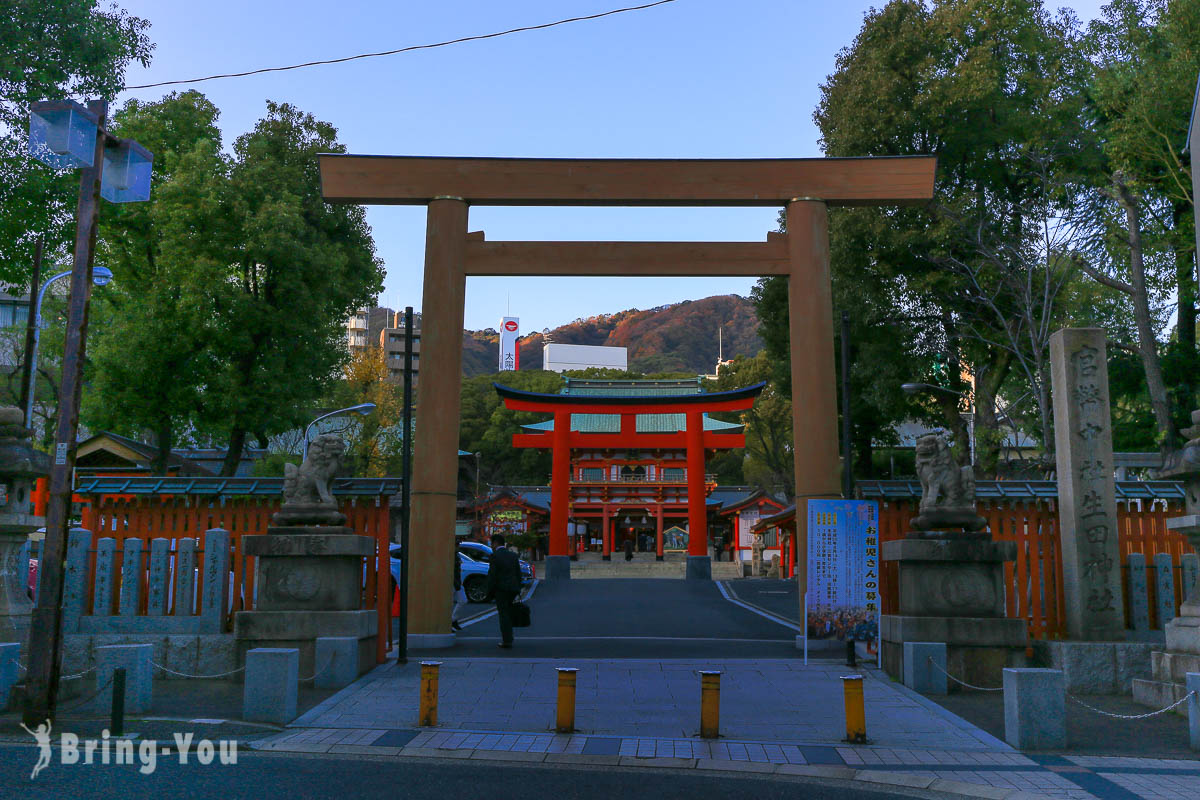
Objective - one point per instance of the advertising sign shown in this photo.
(510, 350)
(843, 571)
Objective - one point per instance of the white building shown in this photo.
(562, 357)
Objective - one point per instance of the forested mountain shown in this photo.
(682, 337)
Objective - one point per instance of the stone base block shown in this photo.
(1172, 667)
(9, 671)
(1159, 694)
(301, 629)
(432, 641)
(1193, 709)
(1183, 634)
(925, 667)
(302, 570)
(205, 654)
(977, 649)
(1035, 714)
(950, 577)
(558, 568)
(337, 662)
(699, 568)
(139, 677)
(1097, 667)
(272, 680)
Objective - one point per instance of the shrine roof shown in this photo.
(646, 423)
(621, 388)
(634, 393)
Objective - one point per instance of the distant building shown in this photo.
(391, 339)
(510, 344)
(562, 357)
(365, 326)
(383, 328)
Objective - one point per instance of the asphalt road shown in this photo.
(633, 618)
(265, 776)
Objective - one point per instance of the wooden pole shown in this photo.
(814, 394)
(435, 480)
(45, 639)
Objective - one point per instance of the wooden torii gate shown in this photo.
(448, 186)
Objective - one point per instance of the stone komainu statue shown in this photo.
(306, 496)
(947, 490)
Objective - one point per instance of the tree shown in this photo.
(767, 459)
(150, 359)
(984, 85)
(1145, 60)
(52, 49)
(284, 270)
(374, 443)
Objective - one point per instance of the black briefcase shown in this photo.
(520, 615)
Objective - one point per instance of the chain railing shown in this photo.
(938, 667)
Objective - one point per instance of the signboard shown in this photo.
(843, 571)
(510, 349)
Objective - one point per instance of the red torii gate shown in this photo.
(694, 439)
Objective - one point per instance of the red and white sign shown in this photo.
(510, 350)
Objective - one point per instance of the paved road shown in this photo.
(295, 777)
(633, 618)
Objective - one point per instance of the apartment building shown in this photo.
(383, 328)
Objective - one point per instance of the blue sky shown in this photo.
(690, 79)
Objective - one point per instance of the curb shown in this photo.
(876, 778)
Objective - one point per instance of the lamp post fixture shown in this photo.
(100, 277)
(66, 134)
(362, 409)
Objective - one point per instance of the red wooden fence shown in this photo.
(1034, 582)
(152, 517)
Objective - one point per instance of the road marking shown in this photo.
(489, 614)
(728, 595)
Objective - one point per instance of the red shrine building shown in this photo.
(628, 464)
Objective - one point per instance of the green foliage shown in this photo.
(150, 345)
(767, 460)
(52, 49)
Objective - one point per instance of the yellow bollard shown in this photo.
(856, 715)
(710, 704)
(566, 700)
(429, 694)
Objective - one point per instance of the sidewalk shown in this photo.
(777, 717)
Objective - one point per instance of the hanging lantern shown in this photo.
(62, 134)
(127, 168)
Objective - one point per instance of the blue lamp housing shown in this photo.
(127, 169)
(62, 134)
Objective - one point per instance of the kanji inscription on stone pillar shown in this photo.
(1087, 510)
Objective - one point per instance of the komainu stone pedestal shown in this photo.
(309, 587)
(1169, 668)
(952, 591)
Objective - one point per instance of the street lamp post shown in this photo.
(362, 409)
(66, 134)
(100, 277)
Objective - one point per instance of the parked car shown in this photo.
(482, 552)
(474, 573)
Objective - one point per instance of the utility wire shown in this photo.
(405, 49)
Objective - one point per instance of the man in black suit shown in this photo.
(503, 586)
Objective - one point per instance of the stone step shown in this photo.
(1159, 694)
(1173, 667)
